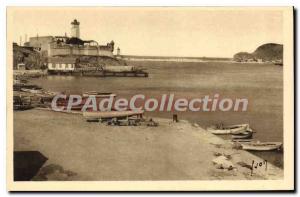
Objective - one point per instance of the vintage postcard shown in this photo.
(150, 98)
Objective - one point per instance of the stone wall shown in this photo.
(55, 50)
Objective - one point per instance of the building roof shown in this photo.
(66, 60)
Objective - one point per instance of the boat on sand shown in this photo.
(34, 90)
(98, 94)
(111, 114)
(261, 146)
(21, 103)
(243, 135)
(241, 140)
(231, 129)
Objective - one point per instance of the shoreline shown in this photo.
(171, 151)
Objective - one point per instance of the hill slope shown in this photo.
(266, 52)
(269, 51)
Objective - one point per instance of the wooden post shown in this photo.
(252, 167)
(175, 118)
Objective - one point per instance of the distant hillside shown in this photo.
(269, 51)
(243, 56)
(266, 52)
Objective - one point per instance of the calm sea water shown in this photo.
(262, 84)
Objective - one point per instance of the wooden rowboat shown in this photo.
(19, 86)
(244, 135)
(241, 140)
(98, 94)
(21, 103)
(32, 90)
(111, 114)
(262, 146)
(232, 129)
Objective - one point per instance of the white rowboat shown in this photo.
(232, 129)
(33, 90)
(98, 94)
(262, 146)
(111, 114)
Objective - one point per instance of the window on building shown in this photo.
(67, 65)
(57, 65)
(50, 65)
(71, 65)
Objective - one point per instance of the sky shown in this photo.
(158, 31)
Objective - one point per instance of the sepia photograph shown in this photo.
(150, 98)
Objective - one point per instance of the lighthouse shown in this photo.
(75, 31)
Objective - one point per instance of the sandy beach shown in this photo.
(95, 151)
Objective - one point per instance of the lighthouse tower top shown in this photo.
(75, 31)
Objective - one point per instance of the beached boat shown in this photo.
(34, 90)
(98, 94)
(241, 140)
(20, 103)
(262, 146)
(232, 129)
(19, 86)
(51, 93)
(243, 135)
(111, 114)
(19, 81)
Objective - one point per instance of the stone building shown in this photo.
(64, 45)
(59, 64)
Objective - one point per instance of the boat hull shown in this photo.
(111, 114)
(245, 135)
(98, 94)
(34, 91)
(262, 146)
(233, 129)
